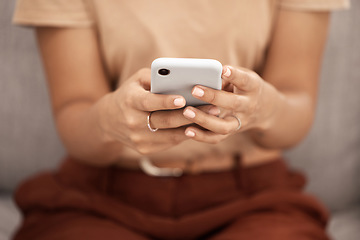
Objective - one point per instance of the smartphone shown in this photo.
(179, 75)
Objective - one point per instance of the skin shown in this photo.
(276, 108)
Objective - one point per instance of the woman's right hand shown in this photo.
(124, 116)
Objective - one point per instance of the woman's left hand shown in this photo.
(247, 101)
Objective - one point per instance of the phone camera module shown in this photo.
(164, 71)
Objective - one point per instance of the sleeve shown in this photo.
(314, 5)
(56, 13)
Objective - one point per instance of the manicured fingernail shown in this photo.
(227, 72)
(179, 102)
(198, 92)
(190, 133)
(189, 113)
(214, 111)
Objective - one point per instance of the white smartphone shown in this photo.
(179, 75)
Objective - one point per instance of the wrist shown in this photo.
(272, 101)
(102, 111)
(108, 147)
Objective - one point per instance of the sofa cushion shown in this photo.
(344, 225)
(10, 217)
(330, 155)
(28, 140)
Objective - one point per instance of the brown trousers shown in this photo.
(83, 202)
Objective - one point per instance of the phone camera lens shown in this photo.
(164, 72)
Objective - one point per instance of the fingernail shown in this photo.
(227, 72)
(189, 113)
(198, 92)
(190, 133)
(179, 102)
(214, 111)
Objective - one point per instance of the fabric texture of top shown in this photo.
(64, 13)
(134, 33)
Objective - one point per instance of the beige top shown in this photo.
(133, 33)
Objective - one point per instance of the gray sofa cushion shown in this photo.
(330, 155)
(9, 217)
(345, 225)
(28, 140)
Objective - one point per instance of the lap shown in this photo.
(267, 202)
(74, 226)
(272, 226)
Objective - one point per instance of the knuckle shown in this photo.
(144, 103)
(144, 150)
(251, 108)
(143, 77)
(135, 138)
(143, 71)
(253, 75)
(237, 102)
(212, 97)
(132, 123)
(246, 79)
(128, 101)
(225, 129)
(254, 80)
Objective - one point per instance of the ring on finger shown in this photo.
(148, 123)
(238, 119)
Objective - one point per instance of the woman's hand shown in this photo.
(124, 118)
(252, 101)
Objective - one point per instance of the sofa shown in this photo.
(330, 154)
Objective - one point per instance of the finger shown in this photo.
(175, 118)
(160, 140)
(144, 78)
(212, 123)
(242, 79)
(220, 98)
(210, 109)
(149, 102)
(143, 100)
(168, 119)
(175, 135)
(204, 136)
(169, 137)
(227, 86)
